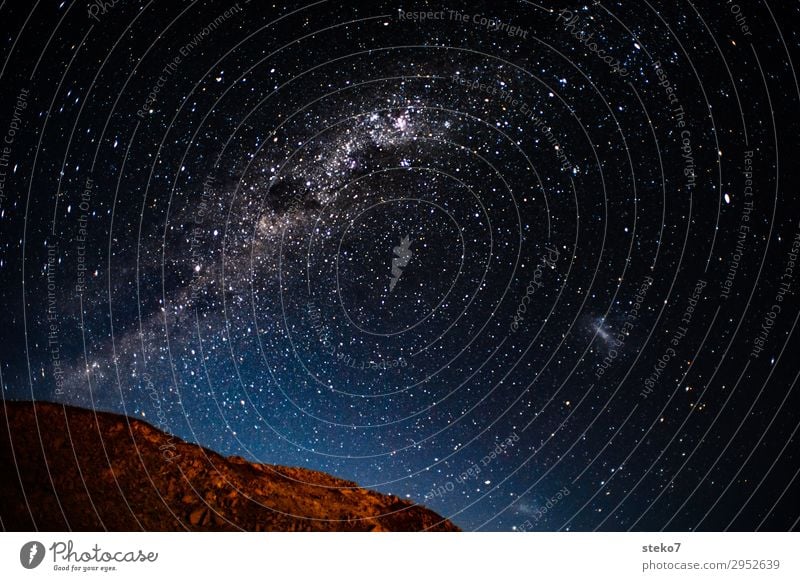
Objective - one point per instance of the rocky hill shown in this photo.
(109, 472)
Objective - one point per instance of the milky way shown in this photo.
(533, 266)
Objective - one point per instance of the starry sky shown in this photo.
(532, 265)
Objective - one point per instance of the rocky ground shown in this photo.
(109, 472)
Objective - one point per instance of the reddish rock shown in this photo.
(100, 471)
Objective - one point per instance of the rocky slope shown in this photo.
(109, 472)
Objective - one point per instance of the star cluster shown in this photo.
(533, 266)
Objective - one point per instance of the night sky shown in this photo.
(531, 265)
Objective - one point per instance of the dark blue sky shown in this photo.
(541, 279)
